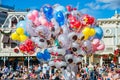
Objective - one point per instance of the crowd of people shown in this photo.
(70, 72)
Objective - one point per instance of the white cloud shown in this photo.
(105, 1)
(104, 4)
(89, 11)
(85, 10)
(93, 5)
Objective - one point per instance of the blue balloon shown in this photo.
(99, 32)
(21, 24)
(49, 17)
(48, 10)
(39, 55)
(60, 18)
(46, 55)
(26, 33)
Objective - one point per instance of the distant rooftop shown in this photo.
(6, 8)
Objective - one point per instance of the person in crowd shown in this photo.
(116, 76)
(112, 65)
(44, 70)
(18, 67)
(5, 70)
(68, 72)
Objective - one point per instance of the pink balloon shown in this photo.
(94, 48)
(37, 22)
(101, 47)
(31, 16)
(96, 42)
(42, 20)
(35, 13)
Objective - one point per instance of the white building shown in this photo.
(8, 20)
(111, 39)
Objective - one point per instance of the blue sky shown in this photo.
(96, 8)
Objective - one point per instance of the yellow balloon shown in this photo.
(23, 38)
(20, 31)
(14, 36)
(86, 37)
(86, 31)
(92, 32)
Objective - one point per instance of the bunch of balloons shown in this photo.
(19, 35)
(59, 32)
(27, 47)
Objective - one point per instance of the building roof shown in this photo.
(6, 8)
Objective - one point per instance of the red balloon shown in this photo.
(77, 24)
(91, 20)
(74, 8)
(69, 8)
(88, 20)
(72, 18)
(72, 24)
(22, 47)
(28, 42)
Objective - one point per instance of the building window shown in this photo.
(21, 18)
(13, 22)
(7, 41)
(108, 31)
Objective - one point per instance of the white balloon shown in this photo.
(44, 31)
(75, 45)
(56, 26)
(50, 49)
(65, 29)
(68, 56)
(51, 63)
(64, 41)
(57, 64)
(41, 43)
(30, 29)
(62, 63)
(61, 51)
(34, 39)
(71, 34)
(77, 59)
(80, 35)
